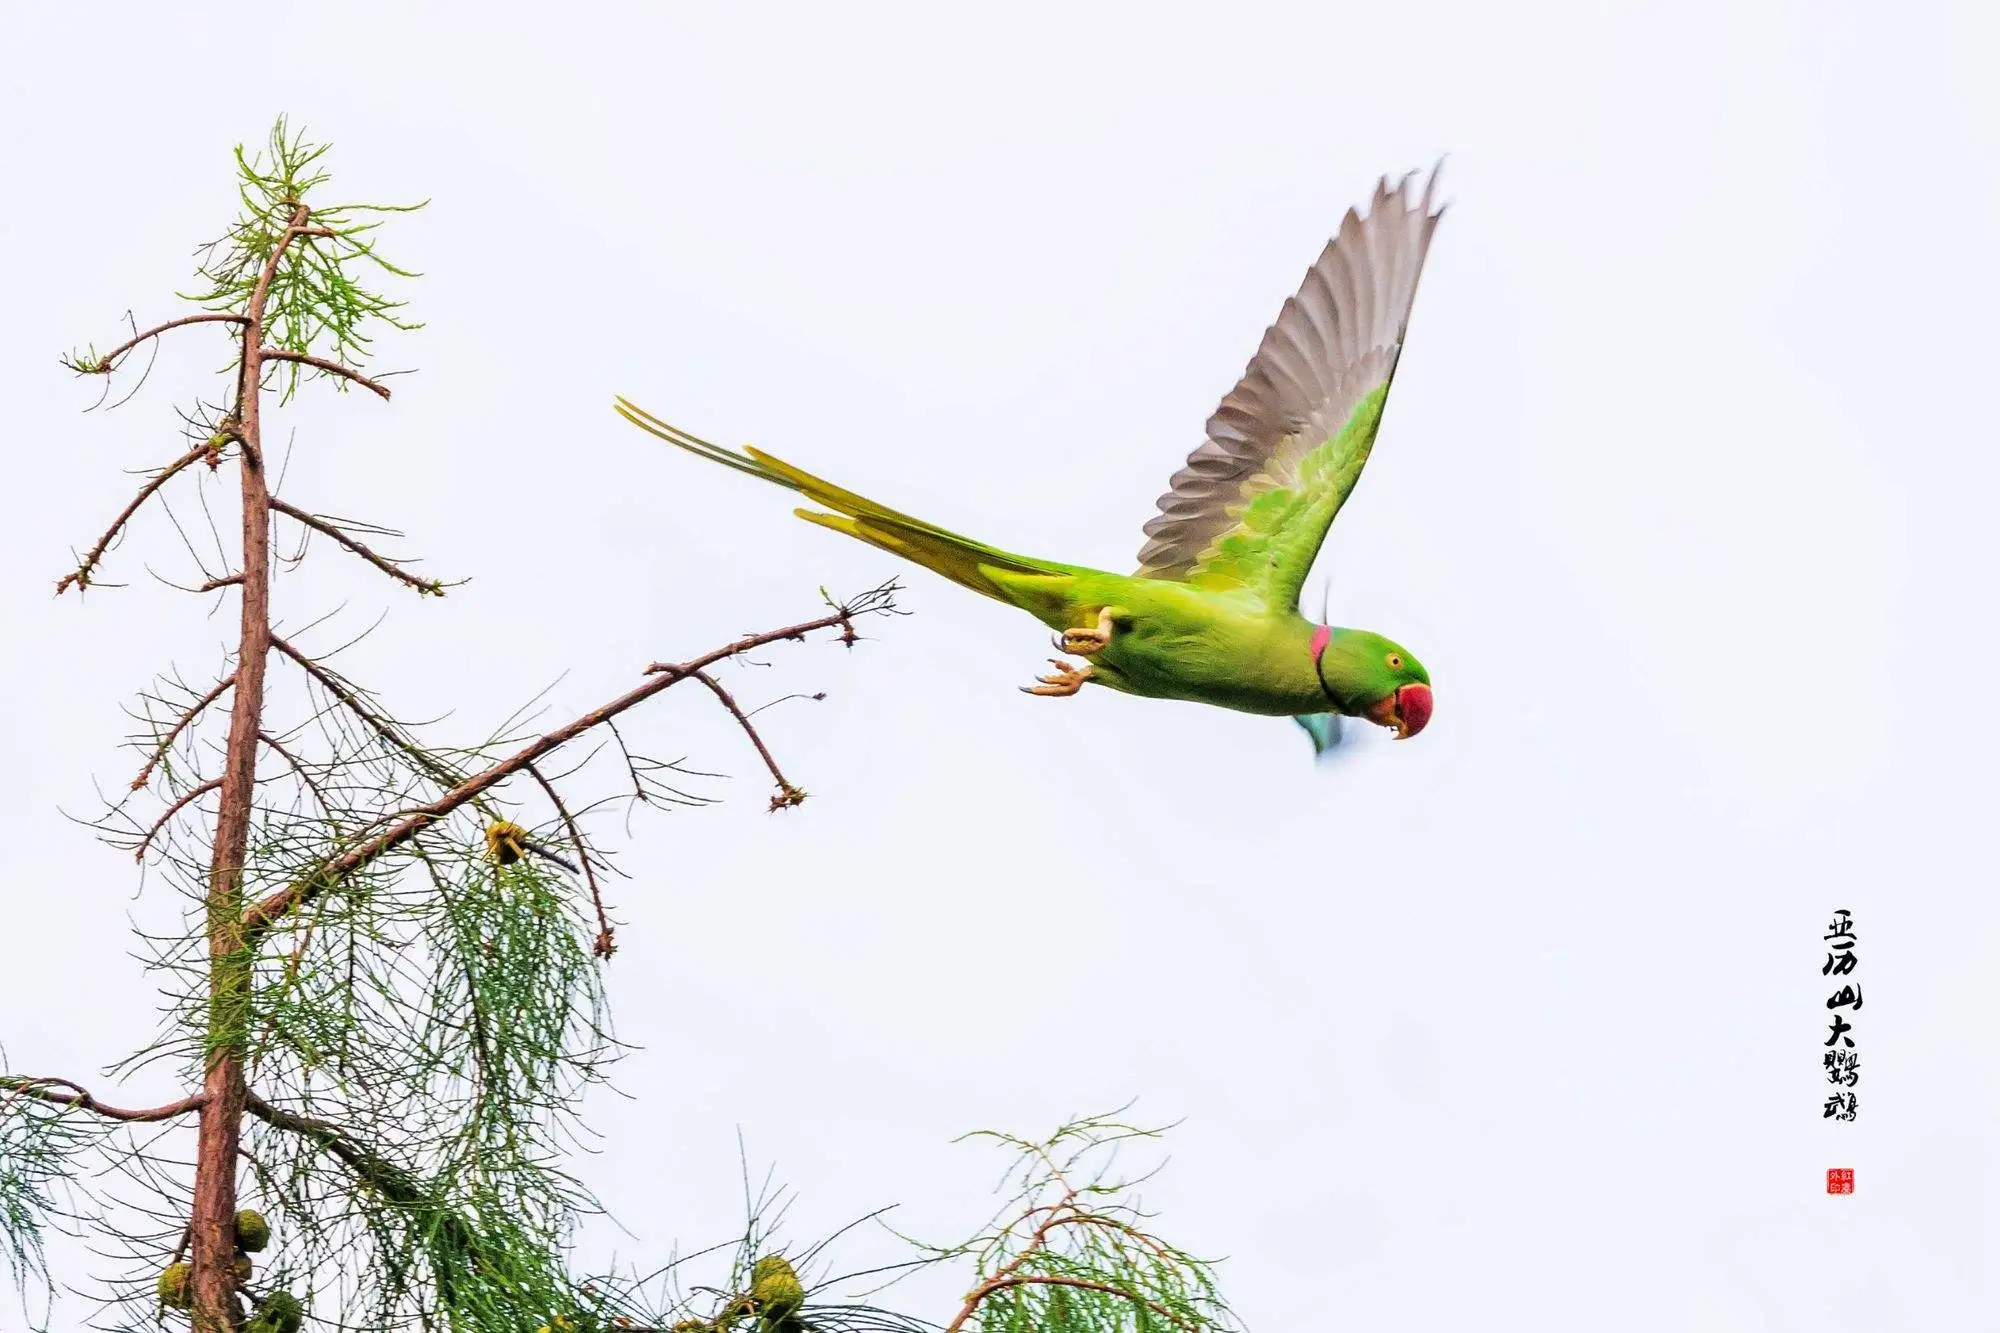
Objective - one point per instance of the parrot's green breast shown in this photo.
(1175, 641)
(1253, 663)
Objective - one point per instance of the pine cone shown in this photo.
(776, 1289)
(253, 1233)
(174, 1287)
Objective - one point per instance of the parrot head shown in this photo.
(1366, 675)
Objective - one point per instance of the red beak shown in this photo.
(1413, 709)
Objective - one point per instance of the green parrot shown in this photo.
(1212, 614)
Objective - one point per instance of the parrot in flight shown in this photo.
(1212, 615)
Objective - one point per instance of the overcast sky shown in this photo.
(1684, 496)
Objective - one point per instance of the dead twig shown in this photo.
(181, 724)
(80, 576)
(603, 947)
(299, 770)
(350, 699)
(194, 794)
(383, 563)
(788, 795)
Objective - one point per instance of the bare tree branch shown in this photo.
(80, 576)
(385, 729)
(385, 1177)
(105, 364)
(79, 1097)
(330, 367)
(180, 725)
(788, 795)
(987, 1288)
(299, 770)
(387, 566)
(603, 947)
(260, 917)
(193, 794)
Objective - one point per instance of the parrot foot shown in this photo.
(1064, 681)
(1084, 642)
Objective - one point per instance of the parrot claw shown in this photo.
(1083, 642)
(1064, 681)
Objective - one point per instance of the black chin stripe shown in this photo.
(1319, 673)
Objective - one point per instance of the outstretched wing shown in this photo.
(1255, 501)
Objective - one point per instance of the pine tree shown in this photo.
(385, 999)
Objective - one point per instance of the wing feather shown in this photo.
(1285, 447)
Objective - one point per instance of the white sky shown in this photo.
(1683, 497)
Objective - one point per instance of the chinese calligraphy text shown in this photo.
(1839, 1058)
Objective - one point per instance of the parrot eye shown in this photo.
(1395, 661)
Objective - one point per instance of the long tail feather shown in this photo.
(960, 559)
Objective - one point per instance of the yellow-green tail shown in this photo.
(960, 559)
